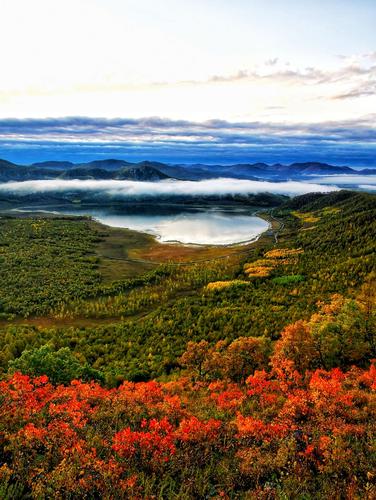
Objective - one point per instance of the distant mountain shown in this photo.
(7, 170)
(258, 171)
(189, 172)
(12, 172)
(110, 164)
(283, 172)
(155, 171)
(367, 171)
(152, 164)
(85, 173)
(246, 171)
(141, 173)
(131, 173)
(99, 170)
(6, 163)
(314, 168)
(53, 165)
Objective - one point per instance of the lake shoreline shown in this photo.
(215, 225)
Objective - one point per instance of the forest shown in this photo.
(248, 374)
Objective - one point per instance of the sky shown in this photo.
(188, 81)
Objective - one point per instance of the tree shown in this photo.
(244, 356)
(296, 344)
(342, 332)
(195, 356)
(60, 366)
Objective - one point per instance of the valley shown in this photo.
(180, 371)
(134, 284)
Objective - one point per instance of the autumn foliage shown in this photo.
(278, 430)
(247, 418)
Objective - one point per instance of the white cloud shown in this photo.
(346, 179)
(134, 189)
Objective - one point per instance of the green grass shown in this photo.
(287, 280)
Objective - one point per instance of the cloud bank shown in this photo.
(345, 179)
(133, 189)
(351, 142)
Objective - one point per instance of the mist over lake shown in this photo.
(127, 204)
(123, 189)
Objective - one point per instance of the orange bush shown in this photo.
(85, 440)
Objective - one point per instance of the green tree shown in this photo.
(60, 366)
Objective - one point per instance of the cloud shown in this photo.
(165, 130)
(355, 72)
(352, 71)
(363, 90)
(134, 189)
(178, 141)
(273, 71)
(346, 179)
(357, 75)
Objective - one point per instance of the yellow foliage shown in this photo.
(258, 271)
(218, 285)
(262, 268)
(279, 253)
(37, 226)
(330, 210)
(260, 262)
(306, 217)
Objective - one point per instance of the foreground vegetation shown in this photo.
(240, 423)
(266, 387)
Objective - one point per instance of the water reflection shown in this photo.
(188, 225)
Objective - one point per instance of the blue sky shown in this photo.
(300, 76)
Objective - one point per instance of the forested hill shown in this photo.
(263, 383)
(353, 202)
(51, 268)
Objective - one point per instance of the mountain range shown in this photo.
(156, 171)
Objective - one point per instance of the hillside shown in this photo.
(262, 356)
(336, 235)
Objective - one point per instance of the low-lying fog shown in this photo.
(363, 182)
(203, 225)
(127, 189)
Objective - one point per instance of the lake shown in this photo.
(198, 225)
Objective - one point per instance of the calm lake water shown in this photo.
(188, 225)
